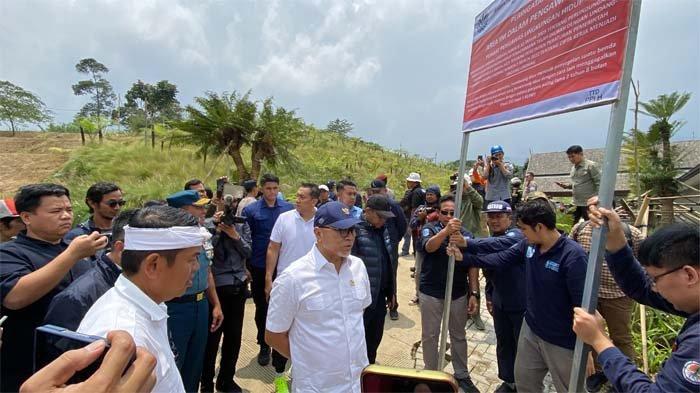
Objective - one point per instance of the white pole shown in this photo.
(451, 260)
(605, 195)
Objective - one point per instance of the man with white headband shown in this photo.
(161, 246)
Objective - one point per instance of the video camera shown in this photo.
(233, 195)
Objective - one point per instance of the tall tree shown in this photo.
(227, 123)
(148, 104)
(339, 126)
(19, 106)
(660, 132)
(98, 88)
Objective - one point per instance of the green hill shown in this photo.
(145, 173)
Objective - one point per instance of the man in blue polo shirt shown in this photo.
(261, 216)
(188, 315)
(35, 267)
(555, 270)
(505, 289)
(668, 279)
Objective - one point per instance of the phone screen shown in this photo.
(51, 341)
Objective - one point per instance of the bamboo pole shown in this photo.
(643, 218)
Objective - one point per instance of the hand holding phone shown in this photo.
(118, 366)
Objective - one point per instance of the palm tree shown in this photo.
(660, 132)
(277, 132)
(224, 124)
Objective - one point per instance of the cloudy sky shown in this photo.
(396, 69)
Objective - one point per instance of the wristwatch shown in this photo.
(475, 294)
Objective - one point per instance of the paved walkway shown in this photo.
(395, 349)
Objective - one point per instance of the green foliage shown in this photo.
(71, 127)
(228, 123)
(340, 126)
(662, 329)
(145, 174)
(650, 153)
(19, 106)
(565, 222)
(97, 87)
(148, 104)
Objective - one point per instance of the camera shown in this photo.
(430, 210)
(229, 217)
(454, 176)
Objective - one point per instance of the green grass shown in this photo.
(145, 173)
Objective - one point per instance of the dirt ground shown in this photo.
(31, 157)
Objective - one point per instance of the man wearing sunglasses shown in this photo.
(105, 201)
(316, 307)
(434, 239)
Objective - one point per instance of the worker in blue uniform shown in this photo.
(668, 279)
(505, 289)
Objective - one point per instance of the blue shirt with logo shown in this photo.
(681, 371)
(261, 218)
(553, 284)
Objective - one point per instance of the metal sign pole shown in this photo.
(605, 195)
(451, 261)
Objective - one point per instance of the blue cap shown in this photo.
(498, 207)
(186, 198)
(335, 215)
(496, 149)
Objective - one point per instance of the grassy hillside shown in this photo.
(145, 173)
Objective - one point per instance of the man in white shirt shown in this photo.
(316, 307)
(161, 246)
(292, 237)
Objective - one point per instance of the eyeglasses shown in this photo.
(450, 213)
(655, 279)
(112, 203)
(344, 233)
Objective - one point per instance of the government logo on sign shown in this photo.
(482, 22)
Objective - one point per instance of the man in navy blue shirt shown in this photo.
(555, 270)
(669, 281)
(505, 289)
(69, 307)
(434, 241)
(261, 216)
(36, 266)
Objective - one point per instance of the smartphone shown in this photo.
(51, 341)
(220, 187)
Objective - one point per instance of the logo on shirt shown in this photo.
(691, 372)
(530, 251)
(551, 265)
(352, 283)
(426, 232)
(511, 234)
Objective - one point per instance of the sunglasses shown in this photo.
(112, 203)
(450, 213)
(344, 233)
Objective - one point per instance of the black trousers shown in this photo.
(232, 299)
(258, 289)
(374, 317)
(507, 325)
(580, 212)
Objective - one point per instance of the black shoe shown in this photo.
(264, 356)
(206, 388)
(467, 385)
(595, 382)
(505, 388)
(394, 315)
(232, 388)
(413, 269)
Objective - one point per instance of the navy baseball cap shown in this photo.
(380, 204)
(335, 215)
(186, 198)
(498, 207)
(377, 183)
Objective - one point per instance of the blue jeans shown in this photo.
(189, 327)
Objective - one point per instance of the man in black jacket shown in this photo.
(414, 197)
(373, 246)
(69, 307)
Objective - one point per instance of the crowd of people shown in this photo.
(172, 277)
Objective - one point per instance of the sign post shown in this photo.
(605, 197)
(537, 58)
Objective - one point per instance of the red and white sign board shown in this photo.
(535, 58)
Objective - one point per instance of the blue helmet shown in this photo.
(496, 149)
